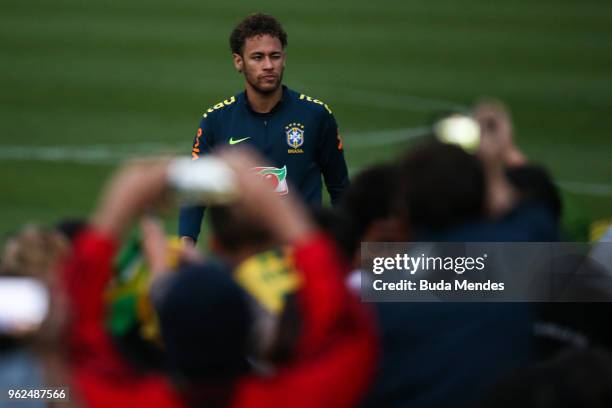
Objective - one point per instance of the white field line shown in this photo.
(116, 153)
(92, 154)
(112, 154)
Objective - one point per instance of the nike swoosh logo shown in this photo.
(233, 142)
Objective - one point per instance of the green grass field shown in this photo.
(85, 84)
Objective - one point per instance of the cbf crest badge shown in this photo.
(295, 137)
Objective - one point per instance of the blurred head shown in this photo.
(30, 263)
(258, 49)
(497, 135)
(34, 252)
(236, 235)
(369, 203)
(441, 186)
(205, 324)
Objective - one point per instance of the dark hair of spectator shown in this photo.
(441, 186)
(255, 25)
(337, 225)
(236, 231)
(70, 227)
(205, 321)
(370, 197)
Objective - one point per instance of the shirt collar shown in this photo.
(282, 102)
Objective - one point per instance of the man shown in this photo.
(297, 134)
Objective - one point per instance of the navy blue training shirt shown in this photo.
(299, 138)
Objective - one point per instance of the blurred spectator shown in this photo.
(205, 322)
(572, 380)
(264, 268)
(449, 195)
(367, 213)
(579, 316)
(30, 321)
(236, 236)
(80, 354)
(370, 205)
(497, 132)
(534, 184)
(441, 186)
(99, 373)
(333, 360)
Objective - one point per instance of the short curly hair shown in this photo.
(254, 25)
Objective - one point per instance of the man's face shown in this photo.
(262, 62)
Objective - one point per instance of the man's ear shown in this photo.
(238, 62)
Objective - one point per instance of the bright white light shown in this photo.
(24, 303)
(460, 130)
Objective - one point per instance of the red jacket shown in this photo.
(100, 376)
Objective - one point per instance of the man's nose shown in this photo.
(267, 63)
